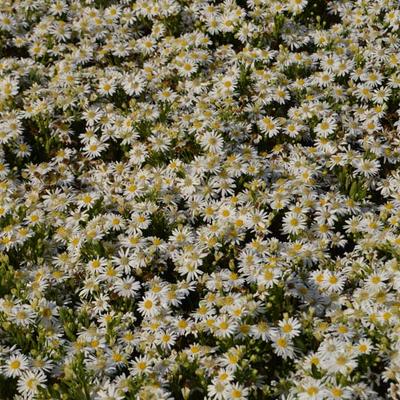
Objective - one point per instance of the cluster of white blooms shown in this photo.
(199, 199)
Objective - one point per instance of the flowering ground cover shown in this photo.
(199, 199)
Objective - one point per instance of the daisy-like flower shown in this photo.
(126, 287)
(87, 200)
(293, 129)
(263, 331)
(293, 223)
(326, 127)
(367, 168)
(141, 365)
(15, 365)
(228, 84)
(269, 277)
(225, 327)
(311, 389)
(376, 280)
(336, 392)
(236, 391)
(212, 142)
(296, 6)
(166, 339)
(186, 68)
(107, 87)
(94, 148)
(270, 126)
(23, 315)
(149, 307)
(290, 327)
(342, 362)
(97, 265)
(217, 390)
(111, 391)
(8, 87)
(133, 84)
(30, 382)
(283, 346)
(333, 282)
(364, 346)
(231, 359)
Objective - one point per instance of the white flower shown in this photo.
(212, 141)
(15, 365)
(311, 389)
(110, 392)
(141, 365)
(326, 127)
(235, 391)
(126, 287)
(290, 327)
(148, 306)
(30, 382)
(283, 346)
(367, 168)
(293, 223)
(269, 125)
(343, 363)
(107, 86)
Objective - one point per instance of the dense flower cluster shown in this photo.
(199, 199)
